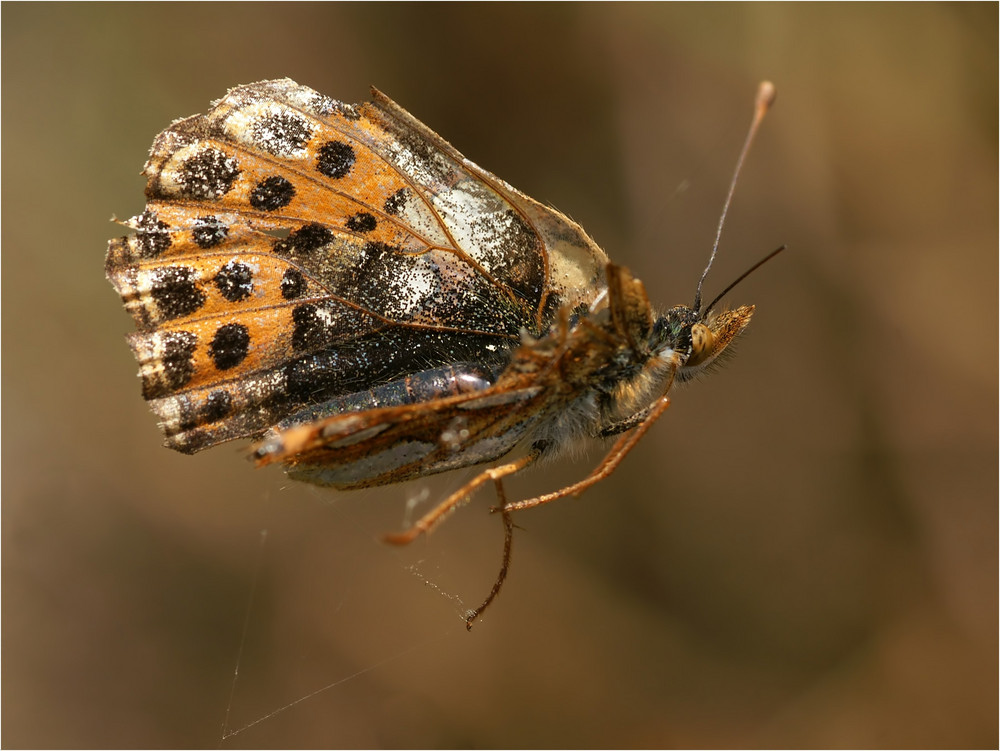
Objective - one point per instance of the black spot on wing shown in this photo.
(394, 204)
(235, 281)
(272, 193)
(217, 406)
(229, 346)
(305, 239)
(335, 159)
(361, 222)
(177, 361)
(208, 174)
(152, 238)
(208, 232)
(175, 291)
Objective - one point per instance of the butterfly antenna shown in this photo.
(743, 276)
(765, 98)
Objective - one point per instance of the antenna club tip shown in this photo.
(766, 94)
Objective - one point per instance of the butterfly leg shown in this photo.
(508, 539)
(461, 496)
(627, 424)
(608, 465)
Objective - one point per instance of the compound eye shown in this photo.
(702, 345)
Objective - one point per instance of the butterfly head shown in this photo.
(698, 340)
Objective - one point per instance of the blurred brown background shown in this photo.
(802, 553)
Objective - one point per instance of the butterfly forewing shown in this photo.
(295, 248)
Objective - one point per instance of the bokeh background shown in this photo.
(803, 552)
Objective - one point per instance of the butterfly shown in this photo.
(339, 284)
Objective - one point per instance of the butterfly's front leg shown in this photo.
(608, 465)
(627, 424)
(433, 517)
